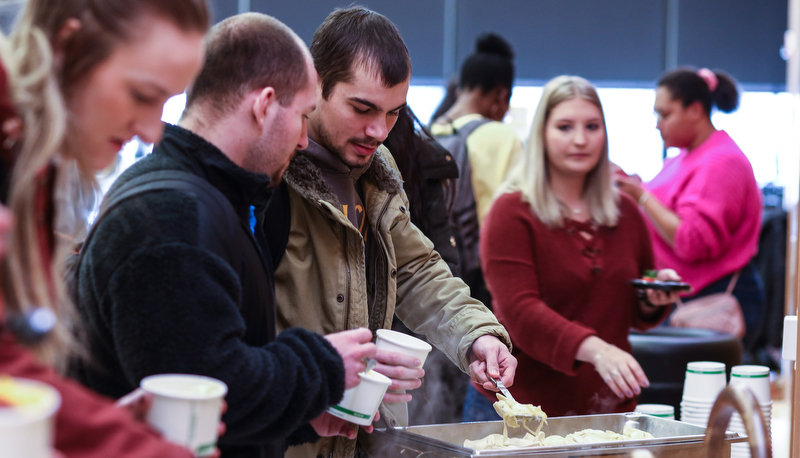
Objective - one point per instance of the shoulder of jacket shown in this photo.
(383, 171)
(305, 178)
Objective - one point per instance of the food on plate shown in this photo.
(649, 276)
(649, 281)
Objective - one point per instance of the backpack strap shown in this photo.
(464, 209)
(469, 127)
(733, 281)
(158, 180)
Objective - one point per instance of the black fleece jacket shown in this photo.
(168, 286)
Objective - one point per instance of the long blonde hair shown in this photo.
(26, 280)
(531, 176)
(38, 88)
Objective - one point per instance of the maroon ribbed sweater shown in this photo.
(551, 290)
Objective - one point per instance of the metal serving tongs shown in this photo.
(371, 363)
(513, 402)
(502, 387)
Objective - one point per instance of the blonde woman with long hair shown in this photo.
(84, 77)
(559, 247)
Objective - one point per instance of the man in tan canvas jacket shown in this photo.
(353, 257)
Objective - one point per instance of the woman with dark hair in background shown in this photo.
(485, 150)
(704, 207)
(428, 172)
(483, 97)
(450, 96)
(85, 77)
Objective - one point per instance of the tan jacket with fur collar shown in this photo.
(321, 281)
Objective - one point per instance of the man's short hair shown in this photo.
(358, 36)
(248, 52)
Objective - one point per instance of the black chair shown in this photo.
(663, 353)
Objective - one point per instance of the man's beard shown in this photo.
(261, 159)
(325, 141)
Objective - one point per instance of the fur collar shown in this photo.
(306, 178)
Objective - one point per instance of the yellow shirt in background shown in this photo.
(493, 150)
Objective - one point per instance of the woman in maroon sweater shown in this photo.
(559, 247)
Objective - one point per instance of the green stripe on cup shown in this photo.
(704, 372)
(661, 415)
(750, 375)
(205, 450)
(350, 412)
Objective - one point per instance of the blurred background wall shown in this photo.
(622, 46)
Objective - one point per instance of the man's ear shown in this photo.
(263, 103)
(66, 32)
(319, 88)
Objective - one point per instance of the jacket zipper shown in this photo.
(347, 278)
(382, 242)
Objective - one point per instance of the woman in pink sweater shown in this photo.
(704, 207)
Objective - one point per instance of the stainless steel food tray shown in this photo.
(672, 438)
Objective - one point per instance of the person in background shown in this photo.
(450, 97)
(72, 95)
(704, 227)
(485, 150)
(428, 171)
(353, 257)
(181, 282)
(559, 247)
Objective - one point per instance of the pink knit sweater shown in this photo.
(714, 192)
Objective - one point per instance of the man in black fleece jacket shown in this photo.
(169, 284)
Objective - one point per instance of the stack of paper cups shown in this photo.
(657, 410)
(704, 381)
(756, 378)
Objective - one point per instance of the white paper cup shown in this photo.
(186, 409)
(756, 378)
(27, 430)
(398, 342)
(361, 402)
(657, 410)
(704, 381)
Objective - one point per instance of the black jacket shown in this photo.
(167, 286)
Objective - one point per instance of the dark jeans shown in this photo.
(477, 407)
(749, 291)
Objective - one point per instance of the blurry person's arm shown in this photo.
(665, 220)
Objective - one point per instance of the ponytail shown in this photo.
(712, 89)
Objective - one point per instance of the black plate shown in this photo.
(661, 285)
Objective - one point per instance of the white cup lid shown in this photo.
(184, 386)
(655, 409)
(750, 371)
(705, 367)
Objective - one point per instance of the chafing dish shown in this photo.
(671, 438)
